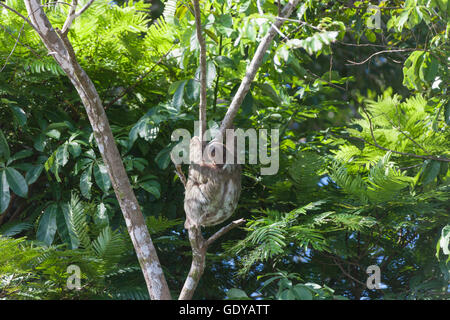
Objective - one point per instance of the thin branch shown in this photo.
(253, 68)
(14, 48)
(375, 143)
(377, 53)
(20, 42)
(70, 17)
(138, 81)
(82, 10)
(224, 230)
(19, 14)
(347, 273)
(202, 62)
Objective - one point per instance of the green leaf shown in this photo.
(4, 149)
(162, 159)
(33, 173)
(47, 225)
(192, 91)
(224, 24)
(85, 182)
(101, 217)
(40, 143)
(21, 155)
(447, 113)
(431, 171)
(74, 149)
(5, 196)
(177, 100)
(247, 104)
(16, 182)
(237, 294)
(101, 177)
(210, 73)
(225, 62)
(63, 225)
(153, 187)
(55, 134)
(371, 36)
(302, 293)
(19, 115)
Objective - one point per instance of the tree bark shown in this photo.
(59, 46)
(254, 66)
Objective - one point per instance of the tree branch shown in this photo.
(253, 67)
(202, 62)
(70, 17)
(20, 42)
(61, 49)
(17, 13)
(199, 247)
(224, 230)
(14, 48)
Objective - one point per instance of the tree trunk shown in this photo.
(59, 46)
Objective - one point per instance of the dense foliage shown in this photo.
(360, 96)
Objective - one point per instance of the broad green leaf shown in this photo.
(21, 155)
(40, 143)
(224, 24)
(33, 174)
(55, 134)
(302, 293)
(225, 62)
(247, 104)
(192, 91)
(447, 113)
(431, 171)
(5, 196)
(62, 155)
(74, 149)
(152, 187)
(85, 182)
(235, 293)
(16, 182)
(162, 159)
(19, 115)
(177, 100)
(4, 148)
(101, 177)
(47, 225)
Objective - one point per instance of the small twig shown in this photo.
(224, 230)
(20, 42)
(261, 12)
(347, 273)
(14, 48)
(377, 53)
(86, 6)
(19, 14)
